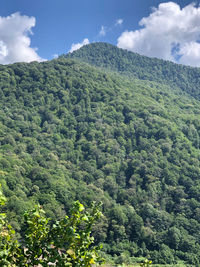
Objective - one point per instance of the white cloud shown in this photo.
(119, 22)
(169, 32)
(106, 29)
(102, 31)
(15, 41)
(79, 45)
(190, 54)
(55, 56)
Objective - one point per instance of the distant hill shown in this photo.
(133, 65)
(104, 124)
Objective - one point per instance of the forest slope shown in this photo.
(109, 57)
(72, 131)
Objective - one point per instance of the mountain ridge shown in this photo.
(138, 66)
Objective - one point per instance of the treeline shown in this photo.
(70, 131)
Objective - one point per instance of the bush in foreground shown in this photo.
(67, 242)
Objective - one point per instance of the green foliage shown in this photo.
(146, 263)
(67, 242)
(9, 246)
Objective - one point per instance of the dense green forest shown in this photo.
(104, 124)
(134, 65)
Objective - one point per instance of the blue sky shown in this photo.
(58, 24)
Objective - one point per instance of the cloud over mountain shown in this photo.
(169, 32)
(15, 41)
(78, 45)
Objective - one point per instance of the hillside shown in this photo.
(130, 64)
(70, 130)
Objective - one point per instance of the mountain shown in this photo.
(109, 57)
(104, 124)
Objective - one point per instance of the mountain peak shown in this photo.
(113, 59)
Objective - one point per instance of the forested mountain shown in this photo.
(111, 58)
(107, 125)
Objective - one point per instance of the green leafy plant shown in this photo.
(68, 242)
(9, 246)
(146, 263)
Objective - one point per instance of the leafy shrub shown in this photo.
(67, 242)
